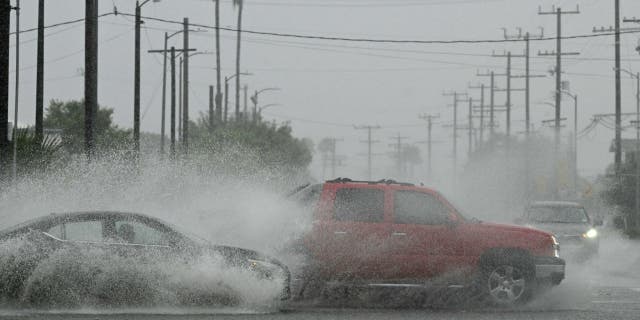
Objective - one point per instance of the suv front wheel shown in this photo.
(507, 282)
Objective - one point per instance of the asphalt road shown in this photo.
(606, 287)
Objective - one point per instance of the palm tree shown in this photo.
(239, 4)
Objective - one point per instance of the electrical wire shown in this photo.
(64, 23)
(370, 40)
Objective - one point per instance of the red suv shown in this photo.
(389, 234)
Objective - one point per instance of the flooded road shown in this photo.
(605, 287)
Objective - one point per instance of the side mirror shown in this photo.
(598, 222)
(452, 222)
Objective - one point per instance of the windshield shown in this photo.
(558, 214)
(308, 196)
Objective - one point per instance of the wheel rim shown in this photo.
(506, 284)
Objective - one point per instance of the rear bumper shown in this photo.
(550, 269)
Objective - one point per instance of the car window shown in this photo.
(309, 196)
(419, 208)
(56, 231)
(82, 231)
(134, 232)
(359, 204)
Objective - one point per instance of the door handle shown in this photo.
(339, 232)
(399, 234)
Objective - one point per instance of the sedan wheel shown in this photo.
(507, 285)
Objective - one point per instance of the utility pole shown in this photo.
(172, 51)
(211, 108)
(173, 103)
(40, 73)
(429, 118)
(90, 75)
(369, 143)
(180, 100)
(164, 92)
(527, 76)
(399, 157)
(240, 4)
(226, 99)
(492, 107)
(136, 82)
(558, 73)
(185, 106)
(218, 71)
(618, 107)
(246, 103)
(508, 90)
(334, 160)
(481, 87)
(618, 151)
(165, 52)
(636, 76)
(5, 30)
(470, 126)
(457, 97)
(636, 217)
(17, 94)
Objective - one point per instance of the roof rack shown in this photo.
(383, 181)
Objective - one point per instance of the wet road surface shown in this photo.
(606, 287)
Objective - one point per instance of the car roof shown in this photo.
(555, 204)
(80, 214)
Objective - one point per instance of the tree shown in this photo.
(619, 192)
(410, 157)
(35, 152)
(252, 146)
(68, 116)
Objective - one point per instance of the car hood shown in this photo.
(509, 228)
(240, 256)
(562, 229)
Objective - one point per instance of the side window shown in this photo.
(361, 205)
(134, 232)
(309, 196)
(57, 231)
(419, 208)
(83, 231)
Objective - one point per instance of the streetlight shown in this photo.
(254, 99)
(575, 138)
(637, 151)
(136, 76)
(265, 107)
(226, 91)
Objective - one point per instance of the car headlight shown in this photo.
(555, 247)
(263, 268)
(592, 233)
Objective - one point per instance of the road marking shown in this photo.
(615, 301)
(399, 285)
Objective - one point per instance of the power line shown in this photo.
(370, 40)
(64, 23)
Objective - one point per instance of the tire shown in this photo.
(506, 281)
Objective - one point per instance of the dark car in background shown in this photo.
(569, 222)
(124, 259)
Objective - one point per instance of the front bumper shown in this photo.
(549, 269)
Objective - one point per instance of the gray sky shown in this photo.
(330, 86)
